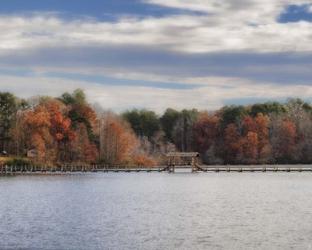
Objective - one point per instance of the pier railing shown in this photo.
(26, 169)
(7, 170)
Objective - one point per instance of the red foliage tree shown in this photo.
(249, 125)
(206, 132)
(264, 146)
(37, 124)
(250, 147)
(255, 141)
(232, 143)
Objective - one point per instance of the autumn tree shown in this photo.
(83, 118)
(232, 143)
(248, 125)
(68, 130)
(263, 132)
(142, 160)
(255, 139)
(119, 144)
(249, 144)
(206, 135)
(60, 127)
(117, 141)
(49, 131)
(284, 136)
(81, 149)
(79, 111)
(37, 124)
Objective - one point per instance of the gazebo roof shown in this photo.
(183, 154)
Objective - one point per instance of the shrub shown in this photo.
(17, 162)
(144, 161)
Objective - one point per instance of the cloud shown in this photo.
(232, 26)
(264, 10)
(209, 96)
(153, 64)
(236, 50)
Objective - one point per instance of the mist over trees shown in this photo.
(68, 130)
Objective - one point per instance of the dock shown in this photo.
(33, 170)
(53, 170)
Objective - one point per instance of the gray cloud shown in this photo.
(233, 52)
(119, 98)
(278, 68)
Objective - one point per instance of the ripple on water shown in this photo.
(157, 211)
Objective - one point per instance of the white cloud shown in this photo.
(210, 96)
(230, 25)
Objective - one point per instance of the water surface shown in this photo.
(157, 211)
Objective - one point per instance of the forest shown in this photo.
(70, 130)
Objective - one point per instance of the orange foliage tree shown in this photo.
(232, 146)
(264, 146)
(60, 127)
(37, 124)
(81, 149)
(60, 124)
(67, 130)
(118, 143)
(117, 140)
(255, 139)
(249, 145)
(143, 160)
(206, 132)
(49, 131)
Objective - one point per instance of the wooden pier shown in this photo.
(44, 170)
(32, 170)
(255, 168)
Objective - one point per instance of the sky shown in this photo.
(156, 54)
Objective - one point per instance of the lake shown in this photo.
(157, 211)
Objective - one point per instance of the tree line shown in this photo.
(69, 130)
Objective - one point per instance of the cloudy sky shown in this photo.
(158, 53)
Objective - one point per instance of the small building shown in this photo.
(182, 158)
(33, 153)
(4, 153)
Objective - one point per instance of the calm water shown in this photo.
(157, 211)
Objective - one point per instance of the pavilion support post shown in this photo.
(194, 168)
